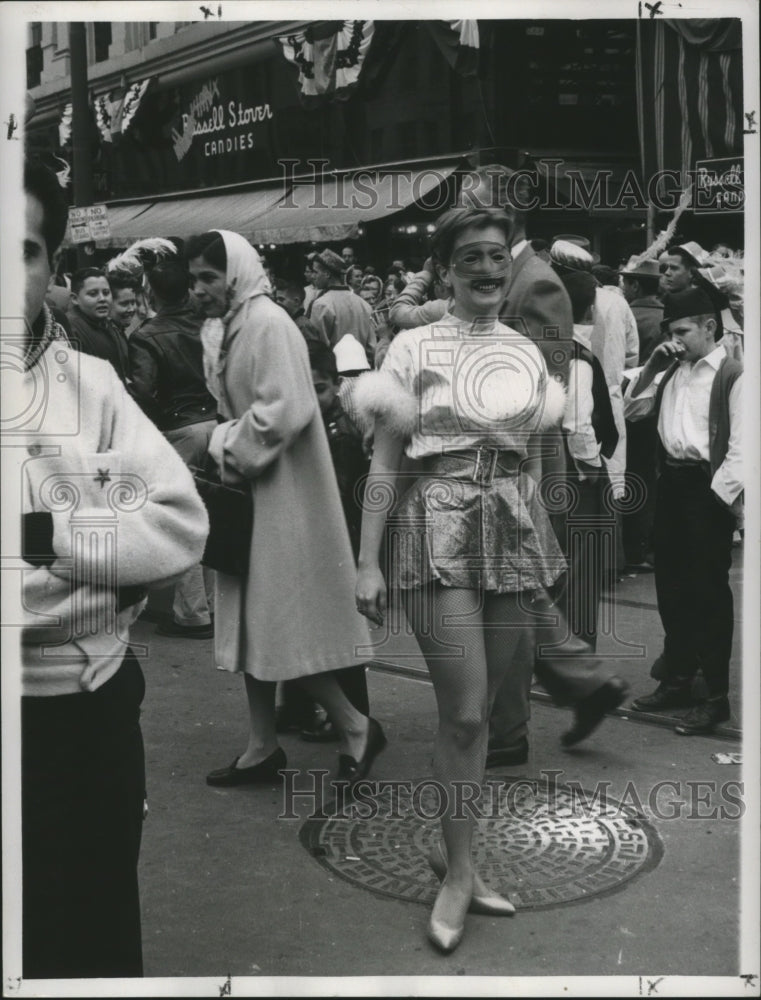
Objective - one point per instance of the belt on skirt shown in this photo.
(480, 465)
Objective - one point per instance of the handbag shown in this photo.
(231, 521)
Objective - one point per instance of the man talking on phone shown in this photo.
(695, 390)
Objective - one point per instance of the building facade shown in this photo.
(293, 132)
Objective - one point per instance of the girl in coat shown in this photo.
(469, 537)
(293, 615)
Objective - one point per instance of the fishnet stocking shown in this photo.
(468, 640)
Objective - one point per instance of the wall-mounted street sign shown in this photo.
(89, 223)
(719, 186)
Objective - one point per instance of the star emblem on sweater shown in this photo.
(102, 477)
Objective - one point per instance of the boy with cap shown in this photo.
(698, 407)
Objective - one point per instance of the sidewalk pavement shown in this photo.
(228, 889)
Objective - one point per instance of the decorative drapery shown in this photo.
(328, 57)
(114, 111)
(689, 92)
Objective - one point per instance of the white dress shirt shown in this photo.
(683, 419)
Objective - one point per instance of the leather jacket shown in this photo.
(166, 364)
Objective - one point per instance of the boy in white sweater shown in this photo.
(107, 508)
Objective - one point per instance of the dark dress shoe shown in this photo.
(592, 710)
(704, 718)
(508, 755)
(665, 696)
(352, 770)
(265, 770)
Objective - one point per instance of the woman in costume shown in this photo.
(461, 398)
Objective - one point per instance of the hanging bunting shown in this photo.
(128, 106)
(103, 118)
(64, 126)
(328, 58)
(114, 111)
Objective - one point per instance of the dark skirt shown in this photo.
(83, 788)
(464, 534)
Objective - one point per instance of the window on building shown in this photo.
(102, 35)
(152, 29)
(34, 55)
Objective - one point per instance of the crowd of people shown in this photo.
(471, 393)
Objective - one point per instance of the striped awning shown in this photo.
(330, 208)
(689, 92)
(185, 217)
(335, 208)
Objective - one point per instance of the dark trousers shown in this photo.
(641, 462)
(83, 787)
(590, 545)
(587, 535)
(693, 553)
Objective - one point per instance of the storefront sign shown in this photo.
(215, 127)
(719, 186)
(89, 223)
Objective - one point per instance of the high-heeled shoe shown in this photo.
(443, 937)
(352, 770)
(491, 905)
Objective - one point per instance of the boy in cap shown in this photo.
(698, 407)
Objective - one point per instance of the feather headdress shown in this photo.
(141, 256)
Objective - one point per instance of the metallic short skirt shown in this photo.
(464, 534)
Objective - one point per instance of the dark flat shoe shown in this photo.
(352, 770)
(265, 770)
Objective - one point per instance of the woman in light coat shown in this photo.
(294, 614)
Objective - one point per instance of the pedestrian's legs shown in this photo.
(674, 562)
(591, 541)
(262, 740)
(83, 788)
(351, 724)
(511, 706)
(353, 681)
(710, 607)
(191, 605)
(641, 449)
(449, 629)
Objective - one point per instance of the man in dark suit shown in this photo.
(538, 305)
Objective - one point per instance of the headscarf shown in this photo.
(246, 279)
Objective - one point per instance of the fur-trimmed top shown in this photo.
(448, 386)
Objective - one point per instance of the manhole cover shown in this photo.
(542, 843)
